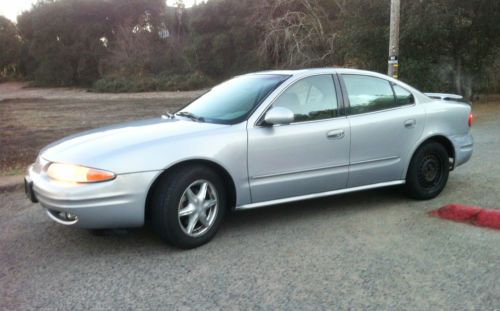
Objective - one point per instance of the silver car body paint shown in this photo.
(338, 155)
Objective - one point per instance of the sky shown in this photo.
(12, 8)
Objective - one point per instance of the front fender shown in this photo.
(226, 147)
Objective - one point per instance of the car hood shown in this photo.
(88, 148)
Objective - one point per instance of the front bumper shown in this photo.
(117, 203)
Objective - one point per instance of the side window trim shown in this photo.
(338, 92)
(345, 98)
(341, 103)
(393, 93)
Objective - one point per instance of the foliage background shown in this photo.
(142, 45)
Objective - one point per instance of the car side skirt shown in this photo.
(319, 195)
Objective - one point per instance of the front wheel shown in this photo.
(428, 172)
(188, 205)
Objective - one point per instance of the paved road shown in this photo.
(370, 250)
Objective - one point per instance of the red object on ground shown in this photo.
(489, 218)
(471, 214)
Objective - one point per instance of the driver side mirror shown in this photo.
(279, 116)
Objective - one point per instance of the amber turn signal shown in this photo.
(77, 174)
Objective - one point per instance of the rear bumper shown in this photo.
(111, 204)
(463, 148)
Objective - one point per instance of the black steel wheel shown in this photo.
(428, 171)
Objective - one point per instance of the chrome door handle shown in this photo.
(335, 134)
(410, 123)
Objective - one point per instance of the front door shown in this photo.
(310, 155)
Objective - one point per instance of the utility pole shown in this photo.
(394, 39)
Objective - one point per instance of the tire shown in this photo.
(428, 171)
(171, 195)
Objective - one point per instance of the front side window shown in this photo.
(312, 98)
(368, 94)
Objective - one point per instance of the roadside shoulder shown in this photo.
(8, 183)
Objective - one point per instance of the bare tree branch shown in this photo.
(296, 37)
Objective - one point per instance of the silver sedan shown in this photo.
(256, 140)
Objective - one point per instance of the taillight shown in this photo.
(471, 119)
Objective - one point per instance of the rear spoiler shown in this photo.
(450, 97)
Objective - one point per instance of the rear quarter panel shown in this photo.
(445, 118)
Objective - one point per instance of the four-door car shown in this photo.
(256, 140)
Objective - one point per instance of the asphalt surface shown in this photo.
(369, 250)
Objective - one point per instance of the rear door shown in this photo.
(310, 155)
(385, 125)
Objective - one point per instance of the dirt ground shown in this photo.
(31, 118)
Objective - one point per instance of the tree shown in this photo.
(62, 40)
(297, 34)
(363, 34)
(445, 45)
(222, 47)
(451, 41)
(69, 41)
(138, 27)
(10, 47)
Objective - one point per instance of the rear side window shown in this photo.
(403, 97)
(312, 98)
(367, 94)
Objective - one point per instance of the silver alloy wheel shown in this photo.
(198, 208)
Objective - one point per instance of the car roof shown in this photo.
(339, 70)
(319, 70)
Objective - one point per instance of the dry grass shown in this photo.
(31, 119)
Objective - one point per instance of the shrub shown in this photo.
(163, 82)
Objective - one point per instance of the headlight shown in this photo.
(77, 174)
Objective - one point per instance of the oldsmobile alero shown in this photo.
(256, 140)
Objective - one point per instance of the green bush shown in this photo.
(54, 72)
(161, 82)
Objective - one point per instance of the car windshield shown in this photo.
(232, 101)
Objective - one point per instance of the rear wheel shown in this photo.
(428, 172)
(188, 205)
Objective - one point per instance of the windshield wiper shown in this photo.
(191, 116)
(168, 115)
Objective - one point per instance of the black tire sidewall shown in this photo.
(166, 197)
(413, 186)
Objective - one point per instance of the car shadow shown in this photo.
(144, 240)
(332, 206)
